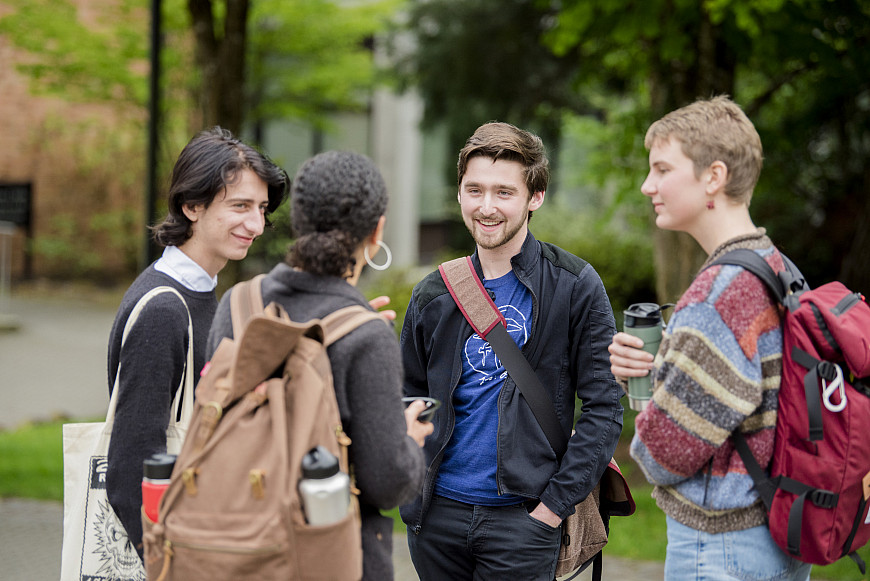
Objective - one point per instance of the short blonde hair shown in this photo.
(711, 130)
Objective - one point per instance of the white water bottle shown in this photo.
(325, 490)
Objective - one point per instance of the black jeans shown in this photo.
(459, 541)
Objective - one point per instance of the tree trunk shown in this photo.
(678, 258)
(221, 61)
(855, 270)
(674, 84)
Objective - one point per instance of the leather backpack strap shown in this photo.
(246, 300)
(487, 321)
(339, 323)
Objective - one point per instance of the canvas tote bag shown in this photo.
(95, 544)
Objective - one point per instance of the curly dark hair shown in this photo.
(212, 160)
(337, 199)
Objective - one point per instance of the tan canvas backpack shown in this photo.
(232, 509)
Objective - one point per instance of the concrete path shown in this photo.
(54, 365)
(31, 537)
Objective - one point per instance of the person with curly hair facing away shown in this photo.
(339, 201)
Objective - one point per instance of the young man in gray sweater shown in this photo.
(220, 195)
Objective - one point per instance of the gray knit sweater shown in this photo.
(152, 367)
(367, 375)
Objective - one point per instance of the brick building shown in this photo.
(84, 199)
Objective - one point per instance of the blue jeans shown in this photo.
(750, 555)
(459, 542)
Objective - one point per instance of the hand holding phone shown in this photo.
(432, 404)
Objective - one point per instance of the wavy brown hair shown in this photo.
(210, 162)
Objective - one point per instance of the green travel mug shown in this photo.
(643, 320)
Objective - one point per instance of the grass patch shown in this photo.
(31, 466)
(643, 535)
(31, 462)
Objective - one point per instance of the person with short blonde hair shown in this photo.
(715, 129)
(719, 363)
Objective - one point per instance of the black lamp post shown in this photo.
(149, 249)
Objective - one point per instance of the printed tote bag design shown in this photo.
(95, 544)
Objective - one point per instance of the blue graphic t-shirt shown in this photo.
(467, 472)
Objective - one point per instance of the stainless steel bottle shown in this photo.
(325, 490)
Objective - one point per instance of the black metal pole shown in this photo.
(149, 249)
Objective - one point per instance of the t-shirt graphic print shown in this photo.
(468, 469)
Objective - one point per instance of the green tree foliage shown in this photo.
(233, 63)
(797, 66)
(480, 60)
(99, 56)
(312, 57)
(302, 58)
(269, 59)
(812, 107)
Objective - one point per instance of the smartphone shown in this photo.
(432, 404)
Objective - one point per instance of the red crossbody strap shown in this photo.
(469, 294)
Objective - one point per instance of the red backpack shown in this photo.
(819, 484)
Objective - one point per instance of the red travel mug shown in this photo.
(156, 472)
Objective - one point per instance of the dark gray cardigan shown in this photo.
(367, 374)
(153, 360)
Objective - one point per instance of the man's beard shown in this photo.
(497, 239)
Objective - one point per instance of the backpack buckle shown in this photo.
(827, 370)
(824, 498)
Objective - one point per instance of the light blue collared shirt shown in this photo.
(182, 268)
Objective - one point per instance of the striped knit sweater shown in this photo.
(717, 370)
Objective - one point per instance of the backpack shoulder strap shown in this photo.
(755, 264)
(785, 286)
(246, 300)
(341, 322)
(487, 321)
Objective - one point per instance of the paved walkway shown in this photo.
(31, 538)
(65, 340)
(54, 364)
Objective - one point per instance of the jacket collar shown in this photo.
(523, 263)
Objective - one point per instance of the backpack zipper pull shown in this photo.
(167, 558)
(343, 439)
(256, 477)
(189, 479)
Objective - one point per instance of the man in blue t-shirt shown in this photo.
(496, 493)
(467, 472)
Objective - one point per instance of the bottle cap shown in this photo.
(319, 463)
(643, 315)
(158, 466)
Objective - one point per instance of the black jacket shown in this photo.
(572, 326)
